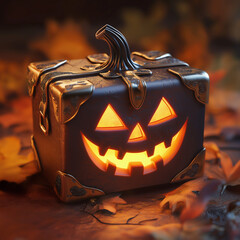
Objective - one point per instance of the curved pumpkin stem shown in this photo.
(119, 57)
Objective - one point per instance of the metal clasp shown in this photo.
(44, 124)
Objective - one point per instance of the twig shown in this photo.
(131, 218)
(127, 223)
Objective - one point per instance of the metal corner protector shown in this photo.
(193, 170)
(67, 97)
(68, 189)
(194, 79)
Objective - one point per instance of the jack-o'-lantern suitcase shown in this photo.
(110, 123)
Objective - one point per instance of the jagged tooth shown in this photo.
(136, 171)
(150, 151)
(103, 150)
(167, 143)
(120, 154)
(159, 164)
(111, 169)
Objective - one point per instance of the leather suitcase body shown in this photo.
(110, 123)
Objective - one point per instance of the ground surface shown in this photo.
(30, 210)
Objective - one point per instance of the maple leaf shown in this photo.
(197, 207)
(183, 194)
(13, 166)
(212, 149)
(110, 202)
(228, 173)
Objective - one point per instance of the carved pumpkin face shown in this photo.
(110, 121)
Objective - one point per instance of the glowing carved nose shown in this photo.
(137, 134)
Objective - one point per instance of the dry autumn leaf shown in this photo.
(182, 195)
(196, 208)
(212, 150)
(13, 166)
(226, 172)
(110, 203)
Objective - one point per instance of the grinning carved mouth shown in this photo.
(130, 159)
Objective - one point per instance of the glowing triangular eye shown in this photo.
(110, 120)
(163, 113)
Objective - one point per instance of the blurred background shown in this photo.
(204, 33)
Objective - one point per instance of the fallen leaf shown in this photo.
(228, 173)
(197, 207)
(109, 203)
(182, 195)
(213, 171)
(13, 166)
(212, 150)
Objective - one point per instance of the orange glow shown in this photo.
(124, 166)
(137, 134)
(110, 120)
(163, 113)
